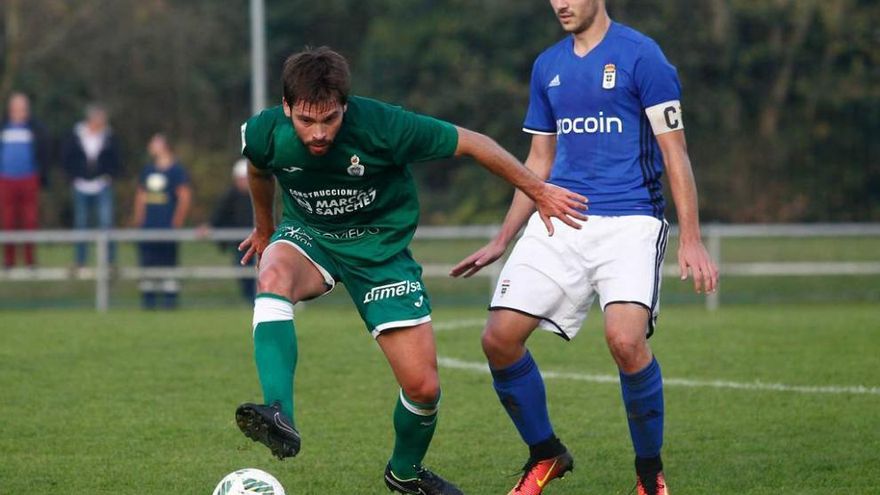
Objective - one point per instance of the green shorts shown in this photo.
(387, 295)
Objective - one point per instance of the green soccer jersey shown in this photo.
(359, 199)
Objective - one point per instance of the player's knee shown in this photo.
(492, 342)
(425, 390)
(499, 348)
(627, 349)
(273, 279)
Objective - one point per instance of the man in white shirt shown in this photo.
(91, 158)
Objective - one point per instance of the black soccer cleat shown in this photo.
(266, 424)
(427, 483)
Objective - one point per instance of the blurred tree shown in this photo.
(782, 97)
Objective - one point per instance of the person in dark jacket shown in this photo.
(234, 210)
(24, 156)
(92, 160)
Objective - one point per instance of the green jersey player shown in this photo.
(350, 211)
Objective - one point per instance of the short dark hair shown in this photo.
(316, 75)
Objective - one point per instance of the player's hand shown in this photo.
(693, 259)
(486, 255)
(556, 202)
(254, 245)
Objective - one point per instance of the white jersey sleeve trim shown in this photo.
(665, 117)
(539, 133)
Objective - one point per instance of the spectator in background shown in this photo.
(234, 210)
(162, 201)
(91, 157)
(24, 156)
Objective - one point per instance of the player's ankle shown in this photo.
(546, 449)
(648, 466)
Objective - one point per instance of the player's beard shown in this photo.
(584, 24)
(322, 146)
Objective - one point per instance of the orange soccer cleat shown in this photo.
(536, 474)
(657, 486)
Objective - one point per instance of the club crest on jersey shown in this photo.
(356, 169)
(609, 76)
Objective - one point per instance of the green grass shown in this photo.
(141, 403)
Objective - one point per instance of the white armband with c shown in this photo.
(665, 117)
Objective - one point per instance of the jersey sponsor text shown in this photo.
(333, 202)
(590, 125)
(397, 289)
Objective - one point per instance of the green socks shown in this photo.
(275, 349)
(275, 353)
(414, 425)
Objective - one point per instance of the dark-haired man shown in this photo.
(605, 119)
(350, 211)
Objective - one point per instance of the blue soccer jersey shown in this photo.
(161, 188)
(605, 109)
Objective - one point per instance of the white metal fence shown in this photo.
(713, 235)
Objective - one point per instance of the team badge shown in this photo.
(609, 77)
(356, 169)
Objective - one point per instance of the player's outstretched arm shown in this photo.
(692, 255)
(539, 162)
(551, 201)
(262, 186)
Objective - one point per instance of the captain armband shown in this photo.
(665, 117)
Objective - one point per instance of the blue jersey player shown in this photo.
(606, 121)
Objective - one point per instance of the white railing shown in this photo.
(713, 235)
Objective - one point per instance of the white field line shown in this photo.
(458, 364)
(452, 363)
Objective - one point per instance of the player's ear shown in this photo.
(345, 108)
(288, 111)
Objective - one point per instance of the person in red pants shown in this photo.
(23, 156)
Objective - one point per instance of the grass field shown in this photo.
(141, 403)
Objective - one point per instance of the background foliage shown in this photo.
(782, 97)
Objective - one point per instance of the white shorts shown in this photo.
(556, 279)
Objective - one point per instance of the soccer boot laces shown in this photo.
(425, 483)
(537, 473)
(267, 425)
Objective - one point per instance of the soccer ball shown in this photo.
(249, 482)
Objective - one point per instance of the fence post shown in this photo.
(713, 300)
(102, 271)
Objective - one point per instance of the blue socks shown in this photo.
(521, 391)
(643, 398)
